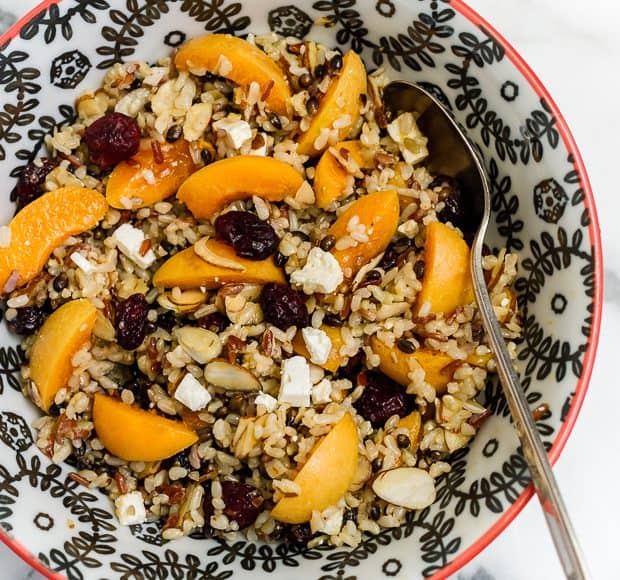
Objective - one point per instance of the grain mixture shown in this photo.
(287, 322)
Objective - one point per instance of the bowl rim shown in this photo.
(581, 389)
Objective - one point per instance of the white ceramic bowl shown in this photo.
(543, 208)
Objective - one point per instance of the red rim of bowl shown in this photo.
(595, 237)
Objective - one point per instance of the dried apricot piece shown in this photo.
(61, 336)
(341, 105)
(369, 223)
(213, 187)
(154, 173)
(238, 61)
(43, 225)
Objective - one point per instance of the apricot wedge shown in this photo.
(213, 187)
(187, 270)
(325, 477)
(40, 227)
(334, 360)
(341, 101)
(60, 337)
(395, 364)
(330, 177)
(146, 178)
(134, 434)
(447, 277)
(238, 61)
(377, 215)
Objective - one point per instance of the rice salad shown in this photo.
(249, 308)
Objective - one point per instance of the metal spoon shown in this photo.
(451, 153)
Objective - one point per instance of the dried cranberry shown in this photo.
(251, 237)
(28, 320)
(392, 253)
(382, 398)
(452, 198)
(300, 534)
(243, 502)
(29, 183)
(215, 322)
(131, 321)
(166, 320)
(112, 139)
(283, 307)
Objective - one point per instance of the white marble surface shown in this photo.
(574, 48)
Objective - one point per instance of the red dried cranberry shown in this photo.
(250, 237)
(215, 322)
(283, 307)
(393, 252)
(28, 320)
(166, 320)
(28, 187)
(300, 534)
(382, 398)
(243, 502)
(131, 321)
(112, 139)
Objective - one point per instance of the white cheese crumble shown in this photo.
(405, 132)
(82, 263)
(321, 273)
(295, 385)
(317, 342)
(267, 401)
(129, 241)
(237, 131)
(191, 393)
(130, 508)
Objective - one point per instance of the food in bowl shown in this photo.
(245, 302)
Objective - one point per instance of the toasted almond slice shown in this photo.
(201, 344)
(203, 251)
(225, 375)
(408, 487)
(187, 297)
(103, 328)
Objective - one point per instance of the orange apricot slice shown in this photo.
(213, 187)
(146, 178)
(447, 277)
(238, 61)
(335, 359)
(377, 215)
(325, 477)
(60, 337)
(330, 177)
(188, 270)
(134, 434)
(40, 227)
(396, 364)
(341, 104)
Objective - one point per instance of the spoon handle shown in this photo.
(544, 481)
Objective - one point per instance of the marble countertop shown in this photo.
(571, 45)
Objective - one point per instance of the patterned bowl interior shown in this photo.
(541, 209)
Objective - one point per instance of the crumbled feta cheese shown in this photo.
(331, 521)
(322, 273)
(322, 392)
(129, 241)
(405, 132)
(191, 393)
(266, 401)
(82, 263)
(317, 342)
(295, 385)
(130, 508)
(237, 131)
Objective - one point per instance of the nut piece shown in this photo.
(202, 250)
(103, 328)
(408, 487)
(224, 375)
(201, 344)
(455, 441)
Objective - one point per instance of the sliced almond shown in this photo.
(225, 375)
(165, 301)
(187, 297)
(408, 487)
(201, 249)
(455, 441)
(201, 344)
(103, 328)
